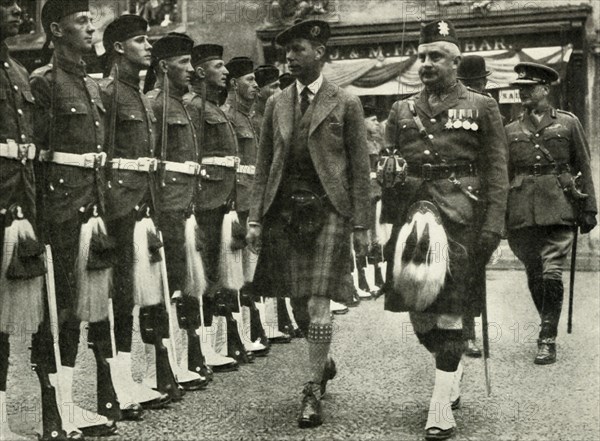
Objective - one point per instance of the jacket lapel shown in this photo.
(323, 104)
(284, 109)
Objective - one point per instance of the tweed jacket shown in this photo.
(337, 145)
(484, 147)
(540, 200)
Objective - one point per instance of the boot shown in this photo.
(235, 347)
(159, 375)
(310, 413)
(189, 380)
(440, 420)
(51, 421)
(244, 325)
(5, 433)
(552, 306)
(71, 431)
(338, 308)
(535, 282)
(257, 330)
(87, 422)
(455, 393)
(195, 360)
(130, 391)
(214, 360)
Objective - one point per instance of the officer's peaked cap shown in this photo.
(122, 29)
(438, 30)
(239, 66)
(314, 30)
(266, 74)
(206, 52)
(534, 73)
(54, 10)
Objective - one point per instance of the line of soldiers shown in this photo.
(144, 201)
(121, 185)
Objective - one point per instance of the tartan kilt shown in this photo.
(315, 269)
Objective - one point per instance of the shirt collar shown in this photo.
(313, 87)
(3, 51)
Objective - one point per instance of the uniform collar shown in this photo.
(313, 87)
(3, 52)
(130, 79)
(70, 66)
(243, 107)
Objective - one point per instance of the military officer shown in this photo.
(177, 143)
(69, 127)
(473, 74)
(132, 161)
(310, 193)
(454, 148)
(220, 159)
(21, 302)
(548, 151)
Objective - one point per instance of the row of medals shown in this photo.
(462, 119)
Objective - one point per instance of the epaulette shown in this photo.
(572, 115)
(42, 71)
(153, 94)
(105, 82)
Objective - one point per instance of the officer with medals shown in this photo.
(178, 187)
(450, 190)
(551, 193)
(221, 235)
(70, 133)
(22, 306)
(473, 74)
(131, 127)
(310, 194)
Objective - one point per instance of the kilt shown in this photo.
(317, 269)
(462, 292)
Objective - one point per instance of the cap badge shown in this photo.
(444, 28)
(522, 74)
(315, 31)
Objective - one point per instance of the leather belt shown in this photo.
(222, 161)
(20, 152)
(86, 160)
(246, 169)
(542, 169)
(143, 164)
(187, 168)
(431, 172)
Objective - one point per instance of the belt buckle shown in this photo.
(235, 162)
(427, 172)
(146, 164)
(537, 169)
(23, 152)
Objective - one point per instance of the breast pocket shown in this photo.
(216, 128)
(407, 130)
(179, 136)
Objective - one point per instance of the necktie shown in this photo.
(304, 102)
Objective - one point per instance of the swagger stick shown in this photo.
(572, 280)
(486, 343)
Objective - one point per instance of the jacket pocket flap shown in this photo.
(130, 115)
(71, 108)
(177, 120)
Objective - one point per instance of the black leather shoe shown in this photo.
(435, 433)
(133, 412)
(472, 349)
(310, 415)
(229, 367)
(285, 338)
(74, 436)
(455, 404)
(108, 429)
(546, 351)
(329, 373)
(194, 385)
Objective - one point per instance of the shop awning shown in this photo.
(399, 75)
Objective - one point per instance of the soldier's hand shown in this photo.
(488, 242)
(253, 237)
(361, 242)
(587, 222)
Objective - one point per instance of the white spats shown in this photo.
(440, 408)
(455, 392)
(207, 338)
(5, 432)
(93, 285)
(195, 280)
(420, 260)
(21, 299)
(147, 279)
(128, 390)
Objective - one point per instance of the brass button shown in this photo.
(6, 65)
(61, 181)
(431, 136)
(427, 152)
(537, 135)
(538, 157)
(120, 181)
(23, 137)
(16, 87)
(20, 112)
(432, 120)
(99, 147)
(73, 110)
(537, 146)
(97, 123)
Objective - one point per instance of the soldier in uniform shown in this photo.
(473, 74)
(452, 142)
(178, 186)
(130, 147)
(311, 192)
(69, 128)
(547, 151)
(21, 274)
(216, 203)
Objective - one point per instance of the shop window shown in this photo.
(28, 16)
(162, 13)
